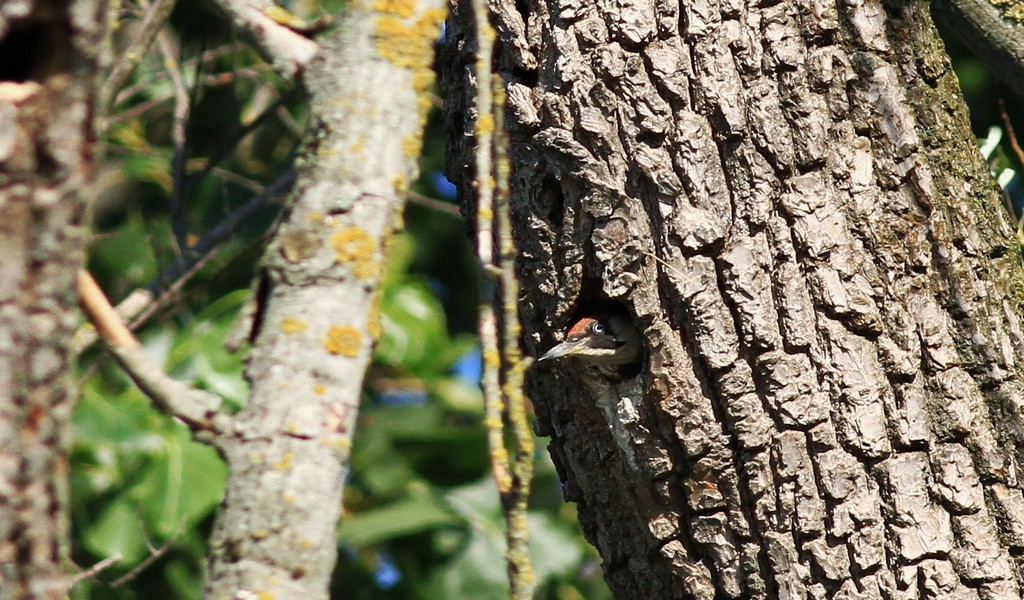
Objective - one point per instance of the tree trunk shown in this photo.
(828, 405)
(317, 313)
(46, 103)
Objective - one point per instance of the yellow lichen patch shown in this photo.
(422, 80)
(344, 340)
(286, 462)
(492, 359)
(400, 8)
(399, 183)
(355, 246)
(290, 325)
(319, 389)
(425, 104)
(373, 326)
(265, 595)
(356, 147)
(337, 441)
(283, 17)
(485, 125)
(315, 217)
(409, 45)
(411, 145)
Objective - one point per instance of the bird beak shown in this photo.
(564, 349)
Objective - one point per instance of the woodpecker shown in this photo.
(608, 339)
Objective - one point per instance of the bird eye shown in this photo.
(597, 328)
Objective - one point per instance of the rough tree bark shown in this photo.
(829, 403)
(50, 59)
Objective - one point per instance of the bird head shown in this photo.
(606, 339)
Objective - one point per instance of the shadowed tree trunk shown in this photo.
(828, 403)
(50, 59)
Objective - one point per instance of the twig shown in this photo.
(135, 111)
(199, 410)
(1010, 208)
(289, 122)
(101, 314)
(514, 368)
(182, 106)
(156, 16)
(1010, 133)
(504, 364)
(287, 50)
(154, 555)
(240, 180)
(494, 406)
(96, 568)
(231, 141)
(201, 60)
(438, 205)
(141, 304)
(226, 227)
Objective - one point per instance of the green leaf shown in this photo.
(126, 253)
(414, 332)
(182, 486)
(458, 396)
(150, 168)
(554, 550)
(401, 250)
(413, 514)
(199, 354)
(117, 530)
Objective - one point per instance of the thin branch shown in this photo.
(152, 22)
(505, 364)
(494, 406)
(226, 227)
(996, 40)
(182, 106)
(199, 410)
(231, 141)
(289, 122)
(199, 61)
(438, 205)
(514, 367)
(240, 180)
(154, 555)
(101, 314)
(484, 129)
(136, 111)
(1010, 133)
(141, 304)
(266, 24)
(96, 568)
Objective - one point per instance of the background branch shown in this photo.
(155, 17)
(283, 47)
(198, 409)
